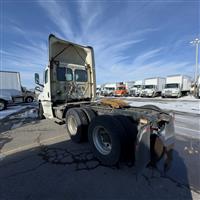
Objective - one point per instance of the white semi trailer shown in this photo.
(10, 86)
(136, 88)
(176, 86)
(153, 87)
(11, 90)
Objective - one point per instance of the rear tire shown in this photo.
(151, 107)
(3, 104)
(131, 131)
(77, 123)
(90, 113)
(105, 136)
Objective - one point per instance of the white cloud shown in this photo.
(115, 38)
(58, 15)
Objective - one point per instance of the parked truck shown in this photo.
(108, 89)
(98, 90)
(153, 87)
(136, 89)
(114, 129)
(121, 90)
(195, 88)
(177, 86)
(129, 85)
(11, 90)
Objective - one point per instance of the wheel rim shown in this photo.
(1, 105)
(72, 125)
(29, 100)
(102, 140)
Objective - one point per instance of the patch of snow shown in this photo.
(184, 98)
(32, 113)
(10, 110)
(190, 107)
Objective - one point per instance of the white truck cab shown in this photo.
(69, 76)
(176, 86)
(108, 89)
(136, 89)
(153, 87)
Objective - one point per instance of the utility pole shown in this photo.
(196, 43)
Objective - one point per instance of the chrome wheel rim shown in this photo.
(72, 125)
(29, 100)
(1, 105)
(102, 140)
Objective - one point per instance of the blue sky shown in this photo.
(132, 39)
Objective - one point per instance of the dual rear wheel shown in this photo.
(77, 121)
(111, 137)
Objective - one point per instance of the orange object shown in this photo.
(121, 90)
(114, 103)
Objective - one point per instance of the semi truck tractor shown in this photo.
(136, 88)
(153, 87)
(98, 90)
(11, 90)
(121, 90)
(129, 85)
(115, 130)
(108, 89)
(177, 86)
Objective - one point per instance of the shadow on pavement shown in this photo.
(70, 171)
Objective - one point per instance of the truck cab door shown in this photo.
(45, 96)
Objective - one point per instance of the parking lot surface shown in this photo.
(39, 161)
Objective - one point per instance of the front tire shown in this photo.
(179, 95)
(3, 104)
(29, 99)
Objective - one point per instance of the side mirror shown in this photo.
(37, 78)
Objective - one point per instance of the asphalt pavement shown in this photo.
(39, 161)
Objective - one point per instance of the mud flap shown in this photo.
(168, 139)
(142, 153)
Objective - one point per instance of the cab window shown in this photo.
(64, 74)
(69, 74)
(80, 75)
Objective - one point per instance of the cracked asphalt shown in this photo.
(39, 161)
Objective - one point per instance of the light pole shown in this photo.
(196, 43)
